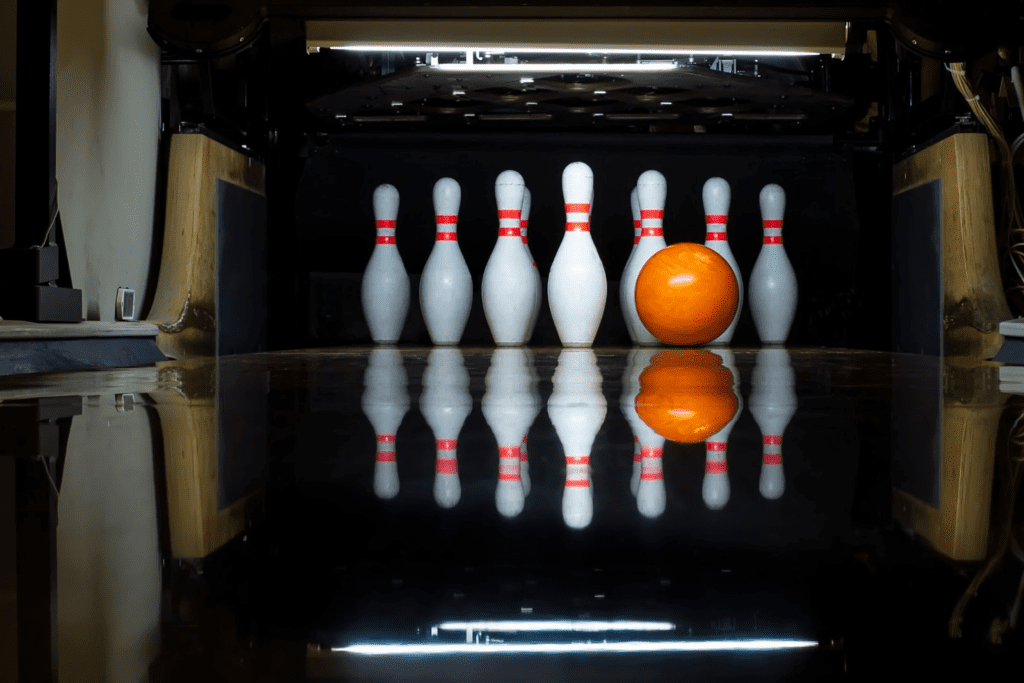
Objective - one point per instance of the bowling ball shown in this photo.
(686, 395)
(686, 294)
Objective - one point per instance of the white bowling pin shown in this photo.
(524, 225)
(634, 205)
(446, 288)
(508, 407)
(385, 401)
(772, 403)
(577, 408)
(385, 289)
(716, 197)
(509, 286)
(636, 362)
(715, 488)
(651, 189)
(650, 494)
(536, 406)
(577, 284)
(445, 403)
(772, 289)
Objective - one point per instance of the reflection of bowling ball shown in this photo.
(686, 294)
(686, 395)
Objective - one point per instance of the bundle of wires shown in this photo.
(1012, 217)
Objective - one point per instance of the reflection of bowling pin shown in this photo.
(536, 405)
(445, 403)
(508, 408)
(524, 224)
(715, 489)
(651, 189)
(577, 284)
(716, 197)
(650, 494)
(385, 402)
(446, 288)
(772, 403)
(577, 409)
(634, 205)
(385, 287)
(636, 362)
(773, 290)
(508, 289)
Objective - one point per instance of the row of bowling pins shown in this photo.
(577, 408)
(577, 285)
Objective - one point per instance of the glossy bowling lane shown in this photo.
(509, 514)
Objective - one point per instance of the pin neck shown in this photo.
(716, 218)
(446, 444)
(385, 231)
(446, 223)
(447, 466)
(509, 222)
(385, 448)
(577, 217)
(508, 463)
(715, 446)
(650, 221)
(715, 236)
(716, 467)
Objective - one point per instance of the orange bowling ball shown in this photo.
(686, 395)
(686, 294)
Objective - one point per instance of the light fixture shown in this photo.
(514, 626)
(588, 647)
(727, 52)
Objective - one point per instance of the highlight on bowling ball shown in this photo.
(686, 395)
(686, 294)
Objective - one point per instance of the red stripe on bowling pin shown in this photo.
(716, 467)
(715, 446)
(447, 466)
(715, 237)
(446, 219)
(446, 237)
(446, 444)
(508, 463)
(716, 219)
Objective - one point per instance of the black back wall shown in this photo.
(842, 291)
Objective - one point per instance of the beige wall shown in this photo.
(108, 118)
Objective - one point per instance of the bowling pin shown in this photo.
(636, 361)
(651, 189)
(385, 401)
(385, 290)
(508, 407)
(715, 488)
(445, 403)
(509, 288)
(716, 197)
(650, 494)
(577, 284)
(446, 288)
(772, 289)
(577, 408)
(536, 405)
(634, 205)
(524, 224)
(772, 403)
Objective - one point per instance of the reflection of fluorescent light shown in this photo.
(382, 47)
(556, 625)
(557, 68)
(626, 647)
